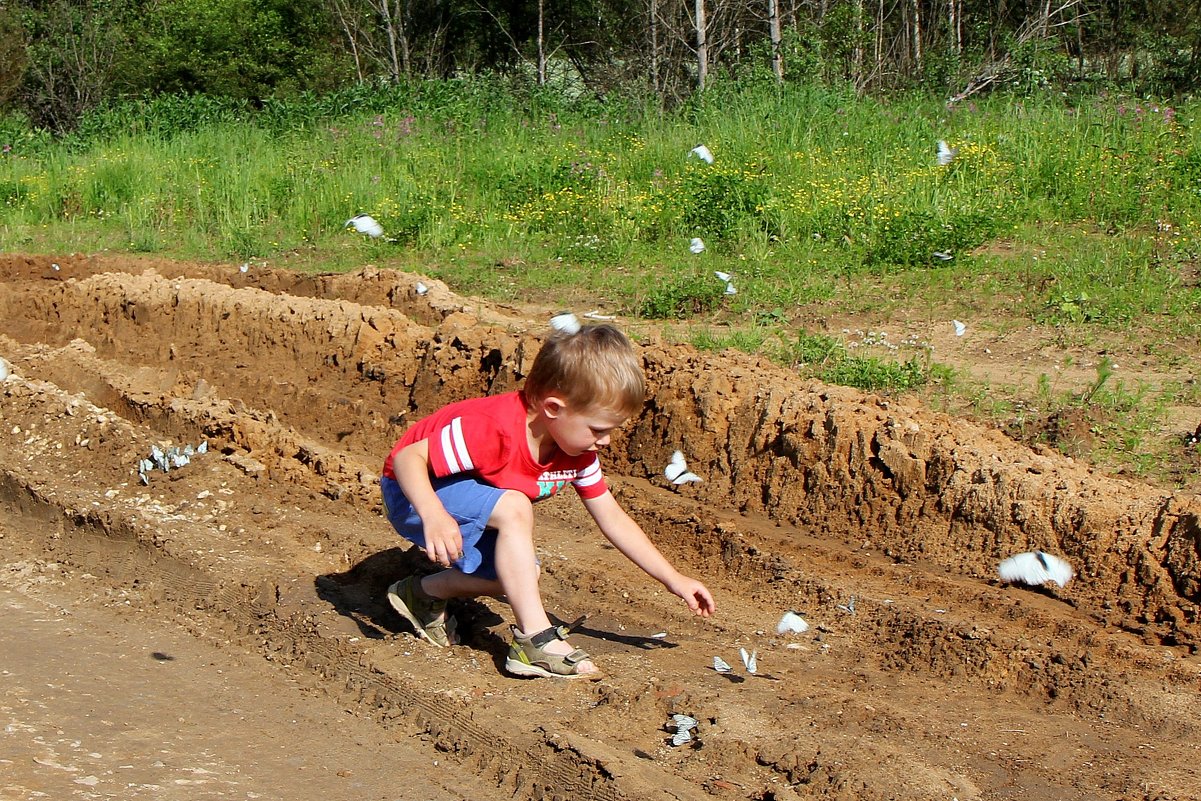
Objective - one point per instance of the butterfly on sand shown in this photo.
(721, 665)
(677, 470)
(684, 725)
(566, 323)
(792, 623)
(750, 661)
(1035, 567)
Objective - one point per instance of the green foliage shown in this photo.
(237, 48)
(874, 374)
(912, 237)
(76, 55)
(682, 296)
(716, 200)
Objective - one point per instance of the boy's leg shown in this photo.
(454, 583)
(517, 567)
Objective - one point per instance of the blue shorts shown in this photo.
(469, 501)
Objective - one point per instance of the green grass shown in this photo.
(1084, 217)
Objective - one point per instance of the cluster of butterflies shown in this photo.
(167, 460)
(750, 661)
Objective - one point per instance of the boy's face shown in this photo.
(580, 430)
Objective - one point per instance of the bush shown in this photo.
(681, 297)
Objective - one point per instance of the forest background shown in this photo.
(546, 150)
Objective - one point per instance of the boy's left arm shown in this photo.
(629, 538)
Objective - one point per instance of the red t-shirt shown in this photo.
(487, 437)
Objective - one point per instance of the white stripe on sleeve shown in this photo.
(448, 452)
(456, 430)
(589, 475)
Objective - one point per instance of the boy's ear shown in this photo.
(553, 406)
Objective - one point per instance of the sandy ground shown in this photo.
(921, 676)
(98, 700)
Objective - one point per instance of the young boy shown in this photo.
(461, 483)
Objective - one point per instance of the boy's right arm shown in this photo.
(443, 540)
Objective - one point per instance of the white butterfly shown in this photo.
(596, 315)
(203, 447)
(659, 635)
(684, 726)
(696, 245)
(4, 371)
(721, 665)
(730, 290)
(792, 623)
(1035, 567)
(750, 661)
(244, 268)
(677, 470)
(946, 154)
(566, 323)
(421, 289)
(960, 328)
(702, 153)
(365, 224)
(683, 722)
(942, 255)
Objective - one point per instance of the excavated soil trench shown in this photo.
(921, 677)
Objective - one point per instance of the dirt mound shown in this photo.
(922, 676)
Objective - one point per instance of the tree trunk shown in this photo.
(385, 8)
(954, 12)
(917, 34)
(541, 45)
(654, 32)
(352, 36)
(880, 38)
(777, 57)
(857, 51)
(702, 47)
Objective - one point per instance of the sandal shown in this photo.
(528, 657)
(427, 615)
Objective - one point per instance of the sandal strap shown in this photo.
(576, 656)
(546, 635)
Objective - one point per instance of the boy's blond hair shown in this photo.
(594, 368)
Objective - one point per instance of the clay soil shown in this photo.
(880, 522)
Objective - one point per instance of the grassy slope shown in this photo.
(1076, 223)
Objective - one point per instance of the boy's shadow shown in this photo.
(360, 594)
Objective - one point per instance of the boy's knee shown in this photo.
(513, 509)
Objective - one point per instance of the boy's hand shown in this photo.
(443, 540)
(695, 594)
